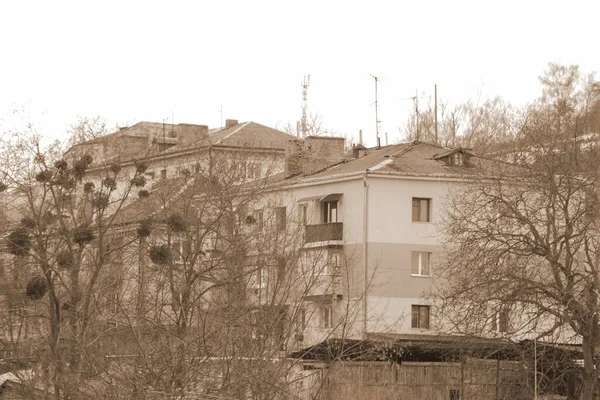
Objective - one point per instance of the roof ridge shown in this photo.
(234, 132)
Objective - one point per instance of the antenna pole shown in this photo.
(417, 112)
(376, 113)
(436, 113)
(221, 116)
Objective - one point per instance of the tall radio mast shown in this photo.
(304, 123)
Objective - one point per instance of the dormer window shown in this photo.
(457, 157)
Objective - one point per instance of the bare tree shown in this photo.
(522, 240)
(59, 243)
(87, 128)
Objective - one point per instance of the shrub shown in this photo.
(61, 165)
(28, 223)
(64, 259)
(83, 235)
(100, 201)
(88, 187)
(18, 242)
(160, 255)
(3, 187)
(68, 184)
(36, 288)
(81, 165)
(145, 228)
(140, 167)
(115, 168)
(109, 183)
(138, 181)
(143, 194)
(176, 223)
(43, 176)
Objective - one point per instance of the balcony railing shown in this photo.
(324, 232)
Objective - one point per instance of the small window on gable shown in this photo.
(457, 159)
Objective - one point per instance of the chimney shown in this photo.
(359, 150)
(312, 154)
(294, 157)
(189, 133)
(360, 137)
(230, 122)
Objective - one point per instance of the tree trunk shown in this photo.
(588, 383)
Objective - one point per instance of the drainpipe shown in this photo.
(365, 251)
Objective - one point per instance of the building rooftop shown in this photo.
(410, 158)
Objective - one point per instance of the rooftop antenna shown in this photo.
(436, 113)
(416, 98)
(303, 123)
(221, 116)
(377, 121)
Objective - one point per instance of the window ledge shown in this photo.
(420, 276)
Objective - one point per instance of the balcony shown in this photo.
(325, 287)
(324, 232)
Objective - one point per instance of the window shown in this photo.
(457, 159)
(500, 320)
(197, 168)
(334, 264)
(330, 211)
(420, 263)
(420, 317)
(280, 218)
(301, 319)
(259, 215)
(149, 175)
(281, 269)
(303, 213)
(421, 209)
(326, 317)
(163, 174)
(260, 279)
(253, 171)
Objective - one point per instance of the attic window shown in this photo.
(457, 159)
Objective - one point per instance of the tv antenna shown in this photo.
(377, 121)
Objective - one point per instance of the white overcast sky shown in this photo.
(152, 61)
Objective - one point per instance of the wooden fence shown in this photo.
(470, 380)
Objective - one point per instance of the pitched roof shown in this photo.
(410, 158)
(246, 134)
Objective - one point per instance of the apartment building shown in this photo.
(375, 214)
